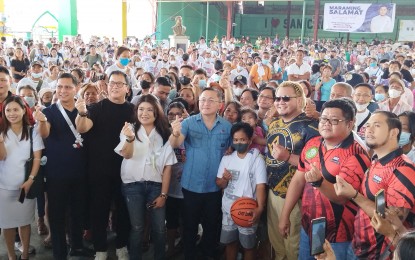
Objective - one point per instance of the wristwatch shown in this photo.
(130, 140)
(317, 184)
(83, 114)
(163, 195)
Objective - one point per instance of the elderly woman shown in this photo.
(90, 92)
(395, 103)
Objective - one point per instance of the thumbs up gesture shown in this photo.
(177, 126)
(38, 115)
(81, 105)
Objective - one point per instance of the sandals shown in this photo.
(47, 243)
(41, 228)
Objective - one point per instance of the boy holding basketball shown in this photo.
(241, 174)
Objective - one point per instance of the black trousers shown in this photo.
(103, 191)
(65, 195)
(204, 208)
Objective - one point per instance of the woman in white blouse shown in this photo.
(145, 172)
(14, 151)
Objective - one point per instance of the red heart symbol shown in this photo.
(275, 22)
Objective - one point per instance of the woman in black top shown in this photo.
(19, 65)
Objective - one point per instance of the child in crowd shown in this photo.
(249, 116)
(241, 174)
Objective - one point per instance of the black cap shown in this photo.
(241, 79)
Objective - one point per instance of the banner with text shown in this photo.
(359, 18)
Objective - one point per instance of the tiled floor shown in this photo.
(46, 254)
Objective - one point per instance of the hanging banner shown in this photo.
(359, 18)
(406, 30)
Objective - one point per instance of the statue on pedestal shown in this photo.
(178, 28)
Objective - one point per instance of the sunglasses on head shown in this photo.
(284, 98)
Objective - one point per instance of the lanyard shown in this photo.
(78, 138)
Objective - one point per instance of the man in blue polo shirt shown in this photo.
(206, 136)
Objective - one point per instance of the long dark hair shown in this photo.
(161, 123)
(5, 125)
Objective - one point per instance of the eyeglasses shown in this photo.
(284, 98)
(265, 97)
(324, 120)
(174, 114)
(119, 84)
(207, 101)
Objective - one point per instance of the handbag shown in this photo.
(38, 183)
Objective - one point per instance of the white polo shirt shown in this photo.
(300, 70)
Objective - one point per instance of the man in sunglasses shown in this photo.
(286, 137)
(335, 153)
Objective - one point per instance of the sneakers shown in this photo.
(122, 254)
(101, 256)
(19, 246)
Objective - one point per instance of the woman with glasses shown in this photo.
(145, 173)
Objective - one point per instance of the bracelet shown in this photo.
(32, 177)
(355, 196)
(163, 195)
(175, 135)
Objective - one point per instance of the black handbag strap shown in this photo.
(31, 141)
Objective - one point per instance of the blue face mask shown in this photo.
(404, 139)
(124, 61)
(379, 97)
(373, 64)
(31, 101)
(202, 83)
(265, 62)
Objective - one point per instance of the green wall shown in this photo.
(272, 21)
(194, 18)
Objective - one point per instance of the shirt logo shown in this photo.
(377, 179)
(311, 153)
(336, 160)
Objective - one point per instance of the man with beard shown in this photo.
(391, 171)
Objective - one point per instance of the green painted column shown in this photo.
(68, 18)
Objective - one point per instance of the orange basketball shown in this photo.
(242, 211)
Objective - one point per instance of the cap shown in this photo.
(36, 63)
(241, 79)
(43, 91)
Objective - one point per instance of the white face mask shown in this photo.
(394, 93)
(361, 107)
(238, 91)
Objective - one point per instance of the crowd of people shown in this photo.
(155, 143)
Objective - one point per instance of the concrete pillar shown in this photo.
(68, 18)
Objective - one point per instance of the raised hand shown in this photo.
(81, 105)
(177, 126)
(279, 152)
(128, 131)
(38, 115)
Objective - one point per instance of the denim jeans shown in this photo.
(342, 250)
(137, 195)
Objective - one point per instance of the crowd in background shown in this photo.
(155, 143)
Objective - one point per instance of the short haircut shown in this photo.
(186, 67)
(68, 76)
(346, 86)
(120, 50)
(254, 93)
(4, 70)
(118, 72)
(364, 85)
(342, 104)
(245, 127)
(269, 88)
(405, 249)
(201, 71)
(218, 93)
(396, 63)
(163, 81)
(392, 121)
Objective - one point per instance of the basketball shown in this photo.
(242, 211)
